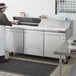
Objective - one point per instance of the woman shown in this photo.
(3, 22)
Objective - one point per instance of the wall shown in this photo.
(35, 8)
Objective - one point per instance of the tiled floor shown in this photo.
(65, 67)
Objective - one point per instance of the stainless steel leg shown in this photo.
(60, 66)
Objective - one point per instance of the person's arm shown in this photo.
(6, 21)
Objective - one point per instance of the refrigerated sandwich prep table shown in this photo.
(41, 40)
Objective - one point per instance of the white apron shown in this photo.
(2, 40)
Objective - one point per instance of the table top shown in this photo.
(64, 50)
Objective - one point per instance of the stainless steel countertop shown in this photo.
(64, 50)
(50, 29)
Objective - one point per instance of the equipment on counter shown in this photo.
(27, 21)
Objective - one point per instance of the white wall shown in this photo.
(35, 8)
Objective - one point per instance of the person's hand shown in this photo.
(15, 22)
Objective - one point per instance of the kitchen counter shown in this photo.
(38, 40)
(52, 28)
(46, 25)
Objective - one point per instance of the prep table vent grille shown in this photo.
(67, 6)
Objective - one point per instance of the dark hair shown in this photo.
(0, 9)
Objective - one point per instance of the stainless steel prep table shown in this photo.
(51, 33)
(63, 50)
